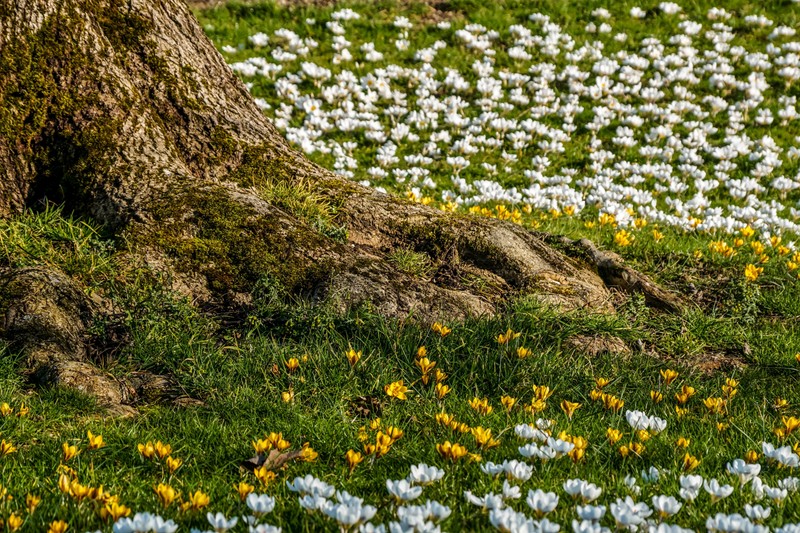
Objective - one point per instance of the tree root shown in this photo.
(616, 274)
(45, 316)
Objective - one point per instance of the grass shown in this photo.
(241, 376)
(411, 262)
(233, 23)
(299, 199)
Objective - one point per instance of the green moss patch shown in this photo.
(231, 245)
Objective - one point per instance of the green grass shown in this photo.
(239, 376)
(411, 262)
(300, 200)
(673, 257)
(233, 23)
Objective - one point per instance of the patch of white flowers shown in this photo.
(687, 131)
(351, 513)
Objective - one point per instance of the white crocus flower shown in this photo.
(776, 494)
(587, 526)
(788, 528)
(657, 425)
(579, 488)
(311, 485)
(627, 513)
(517, 470)
(573, 487)
(791, 484)
(511, 492)
(350, 513)
(691, 482)
(559, 446)
(733, 522)
(402, 490)
(264, 528)
(637, 420)
(492, 469)
(744, 471)
(630, 482)
(716, 490)
(651, 476)
(488, 501)
(260, 504)
(529, 450)
(313, 502)
(666, 505)
(423, 474)
(541, 502)
(220, 522)
(593, 513)
(757, 512)
(525, 431)
(667, 528)
(757, 488)
(507, 519)
(144, 522)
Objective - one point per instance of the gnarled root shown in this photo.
(45, 316)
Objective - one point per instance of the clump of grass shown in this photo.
(50, 237)
(299, 198)
(413, 263)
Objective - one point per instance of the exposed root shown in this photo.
(45, 316)
(595, 345)
(616, 274)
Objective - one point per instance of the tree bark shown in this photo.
(124, 111)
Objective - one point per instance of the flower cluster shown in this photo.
(676, 131)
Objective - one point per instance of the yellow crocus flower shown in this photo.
(173, 464)
(668, 375)
(751, 272)
(243, 489)
(32, 502)
(14, 522)
(264, 475)
(166, 494)
(690, 462)
(508, 402)
(162, 450)
(569, 408)
(58, 526)
(442, 390)
(95, 441)
(146, 450)
(292, 364)
(397, 390)
(353, 356)
(198, 499)
(115, 511)
(68, 452)
(353, 459)
(6, 447)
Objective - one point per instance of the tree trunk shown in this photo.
(124, 111)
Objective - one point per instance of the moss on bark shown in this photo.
(230, 244)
